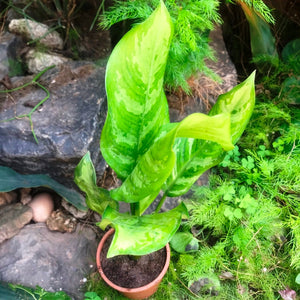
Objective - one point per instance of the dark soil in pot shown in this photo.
(130, 271)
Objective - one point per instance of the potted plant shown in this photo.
(147, 152)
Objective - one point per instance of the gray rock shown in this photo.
(31, 31)
(10, 45)
(67, 125)
(53, 260)
(13, 217)
(37, 61)
(206, 286)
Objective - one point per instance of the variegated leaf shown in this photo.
(154, 167)
(137, 105)
(85, 177)
(141, 235)
(194, 157)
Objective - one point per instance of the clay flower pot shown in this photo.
(132, 293)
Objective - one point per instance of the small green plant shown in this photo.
(31, 294)
(147, 152)
(91, 296)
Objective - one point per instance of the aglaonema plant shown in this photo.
(147, 152)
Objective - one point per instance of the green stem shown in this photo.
(101, 6)
(25, 290)
(161, 202)
(135, 209)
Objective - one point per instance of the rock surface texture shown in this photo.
(10, 46)
(13, 217)
(67, 125)
(53, 260)
(37, 61)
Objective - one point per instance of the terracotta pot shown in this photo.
(132, 293)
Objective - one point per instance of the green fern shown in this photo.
(192, 21)
(204, 263)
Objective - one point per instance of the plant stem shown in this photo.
(161, 202)
(33, 81)
(135, 209)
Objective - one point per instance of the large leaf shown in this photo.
(184, 242)
(291, 55)
(85, 177)
(141, 235)
(261, 38)
(146, 180)
(137, 105)
(194, 157)
(11, 180)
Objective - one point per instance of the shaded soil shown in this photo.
(131, 272)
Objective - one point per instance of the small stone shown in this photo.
(38, 61)
(60, 221)
(78, 214)
(13, 217)
(8, 197)
(227, 276)
(25, 196)
(205, 286)
(42, 206)
(32, 31)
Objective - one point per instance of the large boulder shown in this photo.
(53, 260)
(66, 126)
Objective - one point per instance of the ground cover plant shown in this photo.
(246, 222)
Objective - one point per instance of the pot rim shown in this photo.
(121, 289)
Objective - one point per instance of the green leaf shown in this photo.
(141, 235)
(194, 157)
(228, 212)
(238, 213)
(297, 280)
(184, 242)
(91, 296)
(17, 291)
(85, 177)
(239, 103)
(291, 89)
(154, 167)
(137, 105)
(291, 55)
(248, 163)
(261, 38)
(11, 180)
